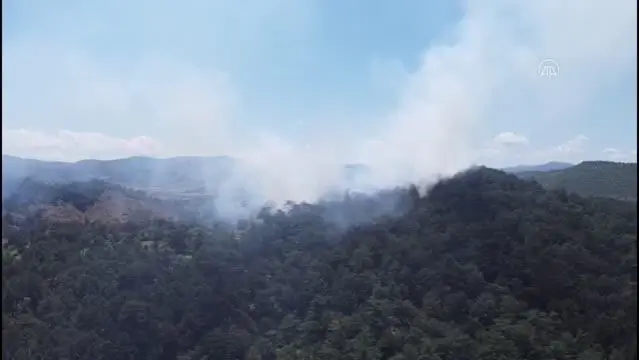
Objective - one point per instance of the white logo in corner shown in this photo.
(548, 68)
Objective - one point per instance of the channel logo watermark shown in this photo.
(548, 68)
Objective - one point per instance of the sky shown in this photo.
(412, 88)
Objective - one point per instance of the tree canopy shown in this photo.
(486, 266)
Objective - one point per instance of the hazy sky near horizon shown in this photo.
(426, 86)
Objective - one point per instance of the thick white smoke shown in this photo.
(484, 70)
(490, 63)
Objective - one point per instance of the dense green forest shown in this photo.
(486, 266)
(592, 178)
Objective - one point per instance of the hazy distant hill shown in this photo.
(185, 175)
(551, 166)
(86, 202)
(191, 177)
(135, 172)
(142, 188)
(592, 178)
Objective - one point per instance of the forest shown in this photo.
(484, 266)
(592, 178)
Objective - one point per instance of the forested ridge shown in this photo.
(486, 266)
(592, 178)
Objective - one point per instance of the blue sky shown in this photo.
(420, 86)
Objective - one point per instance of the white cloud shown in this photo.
(573, 150)
(510, 139)
(68, 145)
(504, 149)
(620, 155)
(576, 145)
(184, 107)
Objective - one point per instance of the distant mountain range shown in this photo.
(170, 173)
(591, 178)
(184, 187)
(192, 177)
(551, 166)
(177, 173)
(99, 201)
(184, 173)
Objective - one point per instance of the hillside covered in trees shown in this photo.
(486, 266)
(592, 178)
